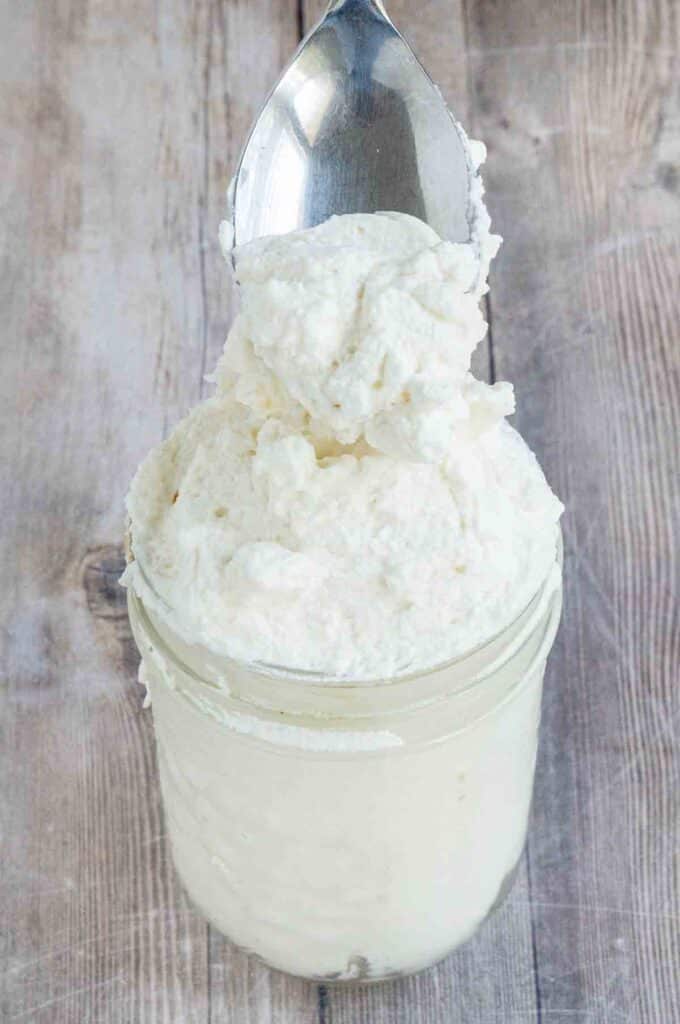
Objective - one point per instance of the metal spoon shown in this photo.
(354, 125)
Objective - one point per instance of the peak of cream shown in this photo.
(363, 327)
(352, 501)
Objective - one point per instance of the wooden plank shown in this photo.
(121, 124)
(98, 929)
(579, 104)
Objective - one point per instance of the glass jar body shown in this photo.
(360, 841)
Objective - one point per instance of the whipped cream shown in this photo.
(352, 501)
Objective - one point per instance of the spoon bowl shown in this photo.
(354, 125)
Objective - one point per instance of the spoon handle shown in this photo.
(375, 5)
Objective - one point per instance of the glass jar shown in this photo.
(345, 830)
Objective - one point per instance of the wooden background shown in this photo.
(121, 122)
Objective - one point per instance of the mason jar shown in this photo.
(348, 830)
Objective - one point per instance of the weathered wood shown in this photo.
(579, 104)
(120, 126)
(121, 123)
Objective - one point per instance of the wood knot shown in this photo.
(101, 571)
(668, 176)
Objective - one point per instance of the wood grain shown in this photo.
(585, 321)
(119, 129)
(121, 124)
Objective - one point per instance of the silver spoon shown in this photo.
(354, 125)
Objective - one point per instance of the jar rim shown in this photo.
(332, 683)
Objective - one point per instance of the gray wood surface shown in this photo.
(119, 126)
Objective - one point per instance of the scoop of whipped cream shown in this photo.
(352, 501)
(363, 328)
